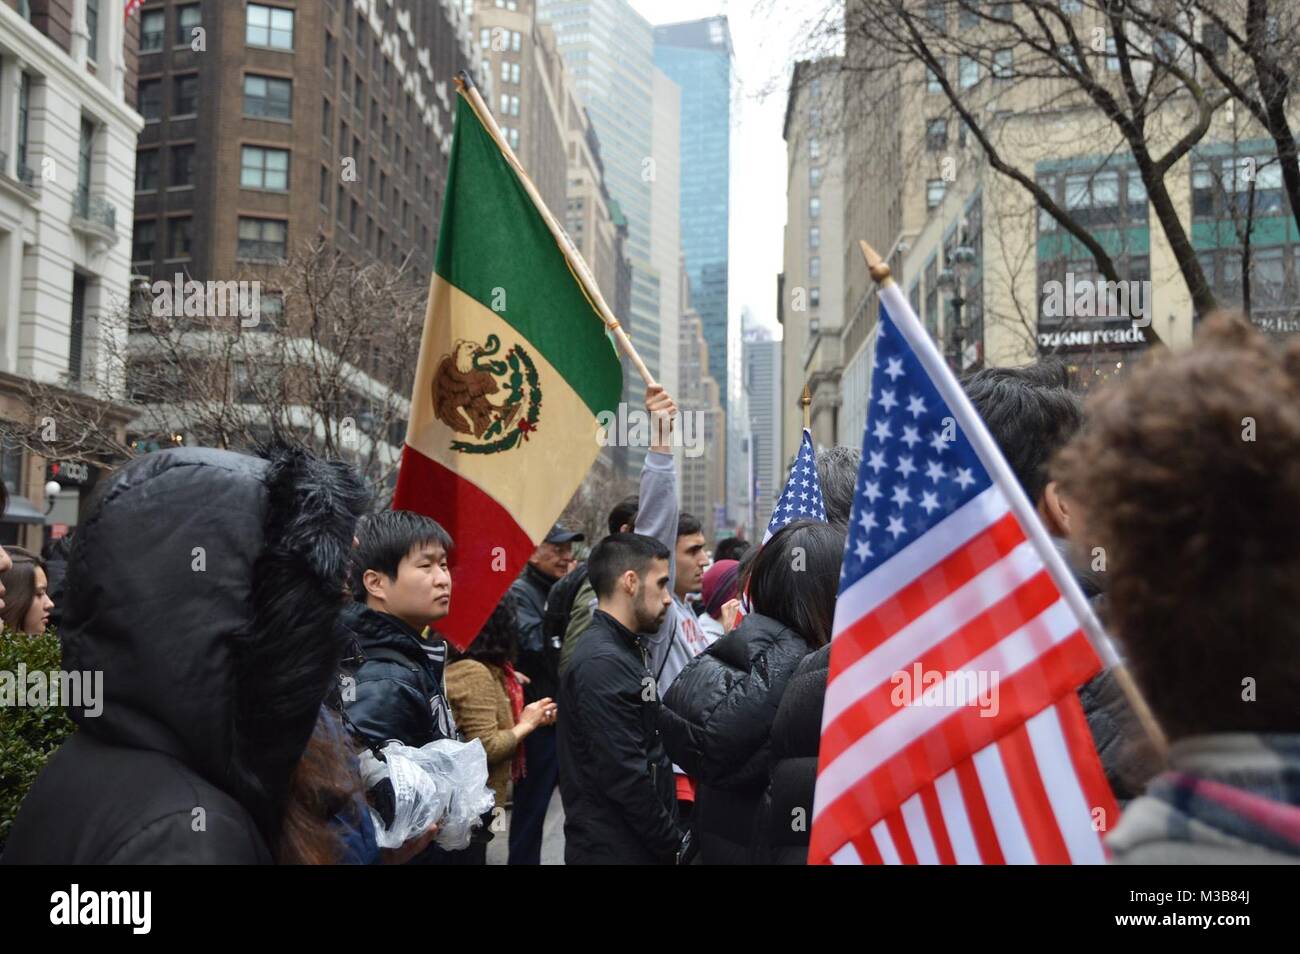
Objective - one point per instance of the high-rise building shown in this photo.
(698, 56)
(811, 305)
(703, 467)
(67, 163)
(328, 119)
(762, 353)
(519, 54)
(665, 227)
(609, 50)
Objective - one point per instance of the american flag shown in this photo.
(802, 497)
(951, 731)
(132, 6)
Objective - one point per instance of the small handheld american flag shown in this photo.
(951, 731)
(802, 497)
(132, 6)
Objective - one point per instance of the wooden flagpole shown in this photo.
(978, 434)
(465, 86)
(806, 402)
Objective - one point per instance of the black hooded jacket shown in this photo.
(400, 692)
(717, 723)
(199, 584)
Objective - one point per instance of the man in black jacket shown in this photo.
(400, 582)
(552, 559)
(616, 779)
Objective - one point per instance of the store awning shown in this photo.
(20, 510)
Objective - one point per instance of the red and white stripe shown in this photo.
(933, 784)
(131, 7)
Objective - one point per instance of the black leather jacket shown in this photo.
(620, 804)
(399, 691)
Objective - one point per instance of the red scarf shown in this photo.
(516, 693)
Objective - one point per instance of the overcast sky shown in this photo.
(763, 44)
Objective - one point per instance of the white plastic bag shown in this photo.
(442, 783)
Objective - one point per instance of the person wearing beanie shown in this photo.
(718, 588)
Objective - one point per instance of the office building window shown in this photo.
(935, 189)
(144, 241)
(1002, 63)
(968, 71)
(265, 169)
(814, 207)
(180, 237)
(263, 240)
(188, 19)
(149, 94)
(815, 297)
(814, 237)
(92, 28)
(268, 97)
(182, 165)
(815, 267)
(936, 135)
(270, 27)
(153, 27)
(146, 170)
(327, 120)
(330, 46)
(186, 102)
(325, 187)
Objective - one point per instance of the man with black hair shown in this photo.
(400, 583)
(837, 473)
(1031, 413)
(615, 778)
(732, 548)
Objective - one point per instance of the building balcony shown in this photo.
(94, 216)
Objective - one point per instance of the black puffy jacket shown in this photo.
(785, 815)
(400, 692)
(620, 802)
(717, 722)
(200, 584)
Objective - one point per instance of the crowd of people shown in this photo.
(242, 685)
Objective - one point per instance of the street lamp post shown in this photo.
(952, 281)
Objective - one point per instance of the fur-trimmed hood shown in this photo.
(204, 585)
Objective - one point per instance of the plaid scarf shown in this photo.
(1238, 792)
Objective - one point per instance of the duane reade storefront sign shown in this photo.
(1079, 314)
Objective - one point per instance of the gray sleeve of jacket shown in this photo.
(656, 516)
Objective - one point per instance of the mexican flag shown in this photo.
(515, 364)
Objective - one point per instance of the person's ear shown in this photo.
(1055, 510)
(374, 582)
(628, 582)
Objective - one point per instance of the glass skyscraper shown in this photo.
(698, 56)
